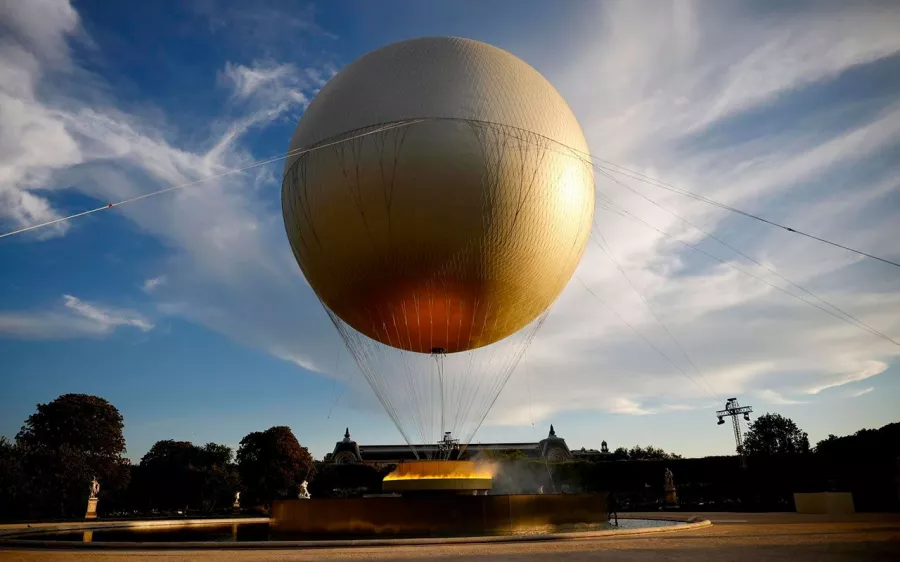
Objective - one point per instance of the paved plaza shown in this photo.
(733, 537)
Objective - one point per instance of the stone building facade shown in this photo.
(552, 448)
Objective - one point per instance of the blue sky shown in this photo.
(188, 313)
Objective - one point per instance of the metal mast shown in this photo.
(438, 354)
(733, 409)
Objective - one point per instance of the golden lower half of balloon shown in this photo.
(438, 236)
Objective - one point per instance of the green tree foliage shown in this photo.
(272, 464)
(179, 474)
(775, 435)
(63, 445)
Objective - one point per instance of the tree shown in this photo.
(648, 453)
(346, 480)
(774, 434)
(620, 454)
(88, 424)
(66, 443)
(866, 463)
(179, 474)
(11, 496)
(272, 464)
(219, 476)
(865, 443)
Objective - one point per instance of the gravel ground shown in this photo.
(734, 537)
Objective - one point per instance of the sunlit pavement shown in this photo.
(733, 537)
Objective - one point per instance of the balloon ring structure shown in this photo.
(457, 208)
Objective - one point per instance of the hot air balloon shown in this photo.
(437, 202)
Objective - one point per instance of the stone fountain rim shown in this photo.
(8, 536)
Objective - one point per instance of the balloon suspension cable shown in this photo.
(257, 164)
(468, 386)
(598, 163)
(438, 354)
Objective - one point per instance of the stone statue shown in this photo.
(94, 489)
(670, 480)
(671, 497)
(304, 493)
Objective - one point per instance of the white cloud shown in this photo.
(151, 284)
(41, 25)
(246, 81)
(230, 267)
(770, 396)
(107, 318)
(864, 371)
(622, 405)
(76, 319)
(858, 393)
(33, 142)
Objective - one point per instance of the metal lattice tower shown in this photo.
(733, 409)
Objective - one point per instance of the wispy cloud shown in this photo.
(858, 393)
(230, 267)
(867, 370)
(770, 396)
(76, 318)
(245, 24)
(247, 81)
(107, 318)
(151, 284)
(33, 142)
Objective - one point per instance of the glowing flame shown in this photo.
(439, 470)
(441, 476)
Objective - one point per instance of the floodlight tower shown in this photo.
(733, 409)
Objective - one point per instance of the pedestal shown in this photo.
(825, 502)
(236, 506)
(91, 509)
(671, 498)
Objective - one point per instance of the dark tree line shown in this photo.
(181, 475)
(45, 472)
(648, 453)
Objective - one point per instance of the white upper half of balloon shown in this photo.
(438, 77)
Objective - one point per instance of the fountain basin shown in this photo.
(437, 515)
(256, 533)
